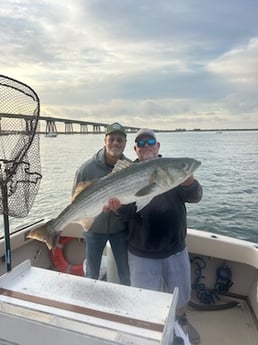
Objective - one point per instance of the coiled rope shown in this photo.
(210, 296)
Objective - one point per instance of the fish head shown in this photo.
(190, 165)
(174, 171)
(165, 174)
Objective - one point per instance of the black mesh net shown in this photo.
(20, 170)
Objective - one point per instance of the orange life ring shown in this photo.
(59, 260)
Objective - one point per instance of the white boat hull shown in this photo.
(237, 325)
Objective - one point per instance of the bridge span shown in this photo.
(70, 126)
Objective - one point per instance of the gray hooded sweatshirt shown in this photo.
(94, 168)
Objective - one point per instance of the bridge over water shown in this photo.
(70, 126)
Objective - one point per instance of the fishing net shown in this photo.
(20, 169)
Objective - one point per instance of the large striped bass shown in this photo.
(137, 182)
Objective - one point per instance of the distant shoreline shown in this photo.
(198, 130)
(209, 130)
(171, 131)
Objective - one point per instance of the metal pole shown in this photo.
(6, 228)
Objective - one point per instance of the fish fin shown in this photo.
(140, 204)
(45, 234)
(147, 193)
(146, 190)
(81, 186)
(121, 164)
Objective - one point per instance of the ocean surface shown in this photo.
(228, 174)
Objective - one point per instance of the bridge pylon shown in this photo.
(83, 128)
(96, 128)
(68, 127)
(50, 126)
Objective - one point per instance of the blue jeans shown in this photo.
(95, 244)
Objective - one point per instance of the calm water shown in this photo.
(228, 175)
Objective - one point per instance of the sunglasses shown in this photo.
(150, 142)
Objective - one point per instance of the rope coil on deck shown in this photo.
(209, 297)
(59, 260)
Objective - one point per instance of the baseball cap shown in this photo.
(145, 132)
(115, 127)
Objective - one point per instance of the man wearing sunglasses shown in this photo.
(146, 145)
(158, 255)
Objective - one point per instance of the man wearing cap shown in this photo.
(158, 254)
(107, 226)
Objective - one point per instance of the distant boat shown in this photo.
(219, 132)
(51, 134)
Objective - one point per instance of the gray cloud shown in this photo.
(175, 64)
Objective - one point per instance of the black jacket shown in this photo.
(159, 229)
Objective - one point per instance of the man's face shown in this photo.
(146, 148)
(115, 144)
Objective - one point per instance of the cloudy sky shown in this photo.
(159, 63)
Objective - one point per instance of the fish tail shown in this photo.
(46, 234)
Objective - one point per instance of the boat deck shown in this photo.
(233, 326)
